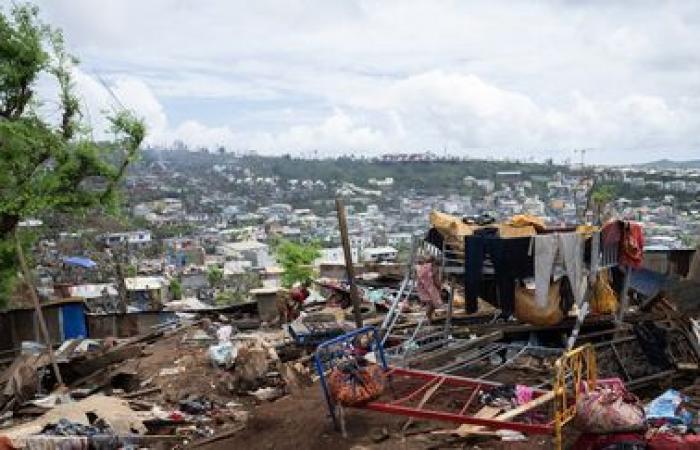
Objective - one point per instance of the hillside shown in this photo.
(664, 164)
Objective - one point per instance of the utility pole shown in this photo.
(350, 269)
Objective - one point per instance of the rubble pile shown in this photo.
(175, 381)
(497, 334)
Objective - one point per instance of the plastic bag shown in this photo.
(527, 310)
(354, 386)
(606, 410)
(223, 354)
(604, 300)
(667, 406)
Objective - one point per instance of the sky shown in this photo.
(511, 79)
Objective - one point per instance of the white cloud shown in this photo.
(101, 98)
(487, 78)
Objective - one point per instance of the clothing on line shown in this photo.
(511, 260)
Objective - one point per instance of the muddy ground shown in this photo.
(301, 422)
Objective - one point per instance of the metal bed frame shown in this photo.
(575, 371)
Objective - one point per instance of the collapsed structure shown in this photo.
(491, 331)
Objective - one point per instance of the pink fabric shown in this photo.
(428, 291)
(523, 393)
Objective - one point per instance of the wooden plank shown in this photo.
(486, 412)
(429, 393)
(466, 430)
(140, 393)
(349, 268)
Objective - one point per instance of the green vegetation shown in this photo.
(214, 276)
(430, 175)
(176, 289)
(48, 167)
(171, 230)
(296, 260)
(602, 195)
(131, 271)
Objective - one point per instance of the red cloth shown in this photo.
(673, 442)
(632, 245)
(629, 239)
(6, 443)
(588, 441)
(611, 233)
(299, 294)
(427, 287)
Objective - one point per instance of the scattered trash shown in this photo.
(608, 410)
(267, 394)
(169, 371)
(223, 354)
(668, 409)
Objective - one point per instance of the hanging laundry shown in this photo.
(611, 233)
(427, 286)
(632, 245)
(571, 248)
(629, 239)
(545, 249)
(511, 261)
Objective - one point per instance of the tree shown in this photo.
(214, 276)
(176, 289)
(49, 166)
(131, 271)
(296, 260)
(601, 196)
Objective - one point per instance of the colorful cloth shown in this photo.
(427, 286)
(632, 245)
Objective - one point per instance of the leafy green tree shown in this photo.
(214, 276)
(296, 260)
(176, 289)
(49, 165)
(131, 271)
(601, 196)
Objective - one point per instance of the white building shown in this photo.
(256, 252)
(131, 237)
(399, 239)
(335, 256)
(379, 254)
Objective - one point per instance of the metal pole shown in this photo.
(350, 269)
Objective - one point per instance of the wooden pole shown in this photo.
(350, 269)
(37, 307)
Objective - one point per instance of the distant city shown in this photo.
(185, 214)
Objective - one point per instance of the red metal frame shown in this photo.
(431, 379)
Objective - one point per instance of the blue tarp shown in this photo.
(667, 406)
(647, 282)
(79, 261)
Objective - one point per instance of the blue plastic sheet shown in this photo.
(80, 261)
(667, 406)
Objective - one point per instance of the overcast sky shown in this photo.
(500, 79)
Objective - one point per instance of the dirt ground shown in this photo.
(301, 422)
